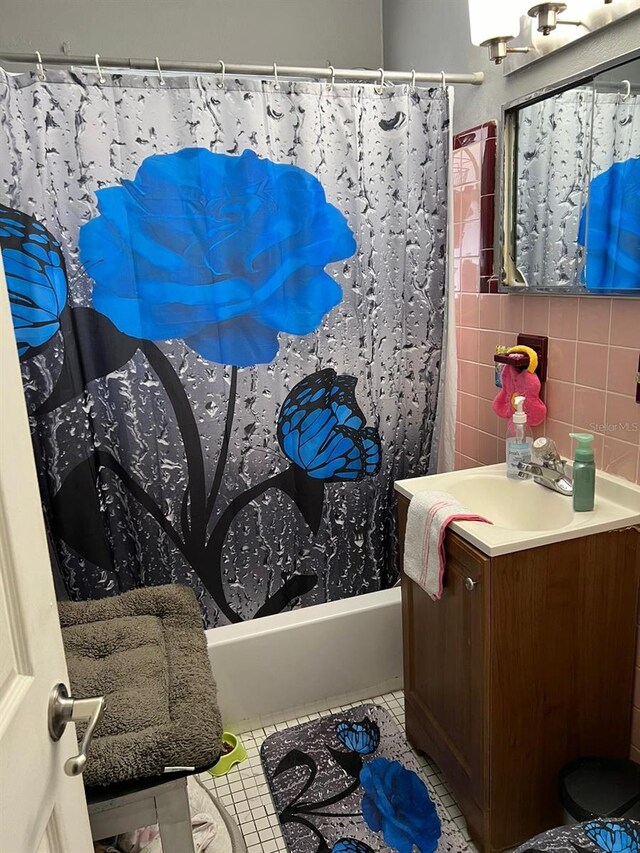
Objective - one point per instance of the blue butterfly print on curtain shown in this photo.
(396, 802)
(610, 228)
(322, 429)
(221, 251)
(614, 836)
(36, 279)
(224, 252)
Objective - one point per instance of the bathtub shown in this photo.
(307, 659)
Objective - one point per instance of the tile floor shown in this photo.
(245, 793)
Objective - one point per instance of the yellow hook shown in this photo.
(533, 356)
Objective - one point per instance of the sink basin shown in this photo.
(514, 504)
(525, 514)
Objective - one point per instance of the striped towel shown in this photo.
(424, 559)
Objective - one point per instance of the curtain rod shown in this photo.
(474, 78)
(614, 87)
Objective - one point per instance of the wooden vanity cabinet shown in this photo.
(525, 663)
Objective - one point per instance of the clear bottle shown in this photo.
(519, 440)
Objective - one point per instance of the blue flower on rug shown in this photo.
(221, 251)
(396, 802)
(351, 845)
(322, 429)
(36, 279)
(610, 225)
(363, 737)
(614, 836)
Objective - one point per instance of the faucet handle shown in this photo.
(545, 450)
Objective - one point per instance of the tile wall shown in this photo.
(594, 346)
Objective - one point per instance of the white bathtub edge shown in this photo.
(307, 660)
(303, 616)
(303, 711)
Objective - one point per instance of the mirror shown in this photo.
(571, 188)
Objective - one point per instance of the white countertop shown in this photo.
(526, 514)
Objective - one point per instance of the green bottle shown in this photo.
(584, 473)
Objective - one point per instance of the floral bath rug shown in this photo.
(349, 783)
(611, 835)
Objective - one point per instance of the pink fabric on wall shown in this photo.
(520, 383)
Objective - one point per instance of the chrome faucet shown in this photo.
(547, 467)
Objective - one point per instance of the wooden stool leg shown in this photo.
(174, 820)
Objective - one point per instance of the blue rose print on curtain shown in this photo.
(610, 228)
(223, 252)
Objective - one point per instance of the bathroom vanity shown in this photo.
(527, 661)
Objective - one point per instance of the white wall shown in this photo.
(295, 32)
(434, 34)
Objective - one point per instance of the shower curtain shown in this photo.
(553, 163)
(610, 222)
(228, 299)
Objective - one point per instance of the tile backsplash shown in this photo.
(591, 384)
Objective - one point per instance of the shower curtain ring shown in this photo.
(40, 67)
(222, 73)
(379, 88)
(101, 78)
(276, 82)
(627, 89)
(444, 80)
(413, 79)
(160, 75)
(333, 76)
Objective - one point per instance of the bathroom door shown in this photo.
(41, 809)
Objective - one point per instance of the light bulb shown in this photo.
(491, 20)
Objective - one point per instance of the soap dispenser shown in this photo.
(584, 473)
(519, 440)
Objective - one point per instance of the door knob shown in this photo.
(65, 709)
(469, 583)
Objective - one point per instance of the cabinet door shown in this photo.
(444, 669)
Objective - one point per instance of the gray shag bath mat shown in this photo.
(349, 783)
